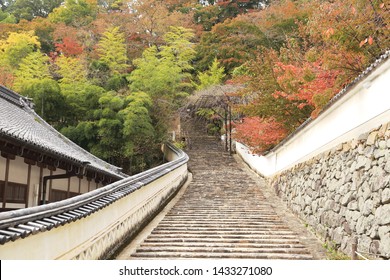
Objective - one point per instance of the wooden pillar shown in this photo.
(6, 181)
(68, 194)
(30, 164)
(79, 185)
(28, 184)
(50, 186)
(40, 184)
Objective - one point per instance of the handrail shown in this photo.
(22, 222)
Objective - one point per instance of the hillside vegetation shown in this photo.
(111, 74)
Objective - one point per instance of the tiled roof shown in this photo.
(19, 121)
(23, 222)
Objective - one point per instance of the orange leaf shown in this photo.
(370, 40)
(330, 31)
(382, 5)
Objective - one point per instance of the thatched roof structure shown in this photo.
(213, 97)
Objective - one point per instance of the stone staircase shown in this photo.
(222, 214)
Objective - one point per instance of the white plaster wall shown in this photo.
(80, 235)
(34, 182)
(60, 184)
(84, 185)
(74, 184)
(18, 171)
(3, 162)
(363, 108)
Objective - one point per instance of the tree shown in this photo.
(33, 68)
(112, 5)
(6, 76)
(69, 47)
(232, 8)
(233, 43)
(71, 71)
(154, 18)
(259, 94)
(306, 85)
(30, 9)
(137, 125)
(16, 47)
(72, 41)
(318, 47)
(281, 21)
(259, 134)
(43, 29)
(80, 96)
(165, 72)
(7, 17)
(207, 16)
(49, 103)
(350, 33)
(109, 128)
(75, 12)
(155, 75)
(112, 50)
(178, 47)
(213, 12)
(213, 76)
(5, 3)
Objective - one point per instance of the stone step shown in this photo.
(224, 226)
(222, 214)
(239, 212)
(233, 250)
(213, 244)
(237, 231)
(218, 255)
(217, 217)
(223, 235)
(290, 240)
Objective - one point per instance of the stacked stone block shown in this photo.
(344, 193)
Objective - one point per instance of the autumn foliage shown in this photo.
(326, 44)
(69, 47)
(259, 134)
(306, 85)
(87, 57)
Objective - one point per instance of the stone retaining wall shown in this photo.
(345, 193)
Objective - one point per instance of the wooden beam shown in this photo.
(8, 155)
(30, 161)
(41, 165)
(51, 168)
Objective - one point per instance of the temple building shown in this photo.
(39, 165)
